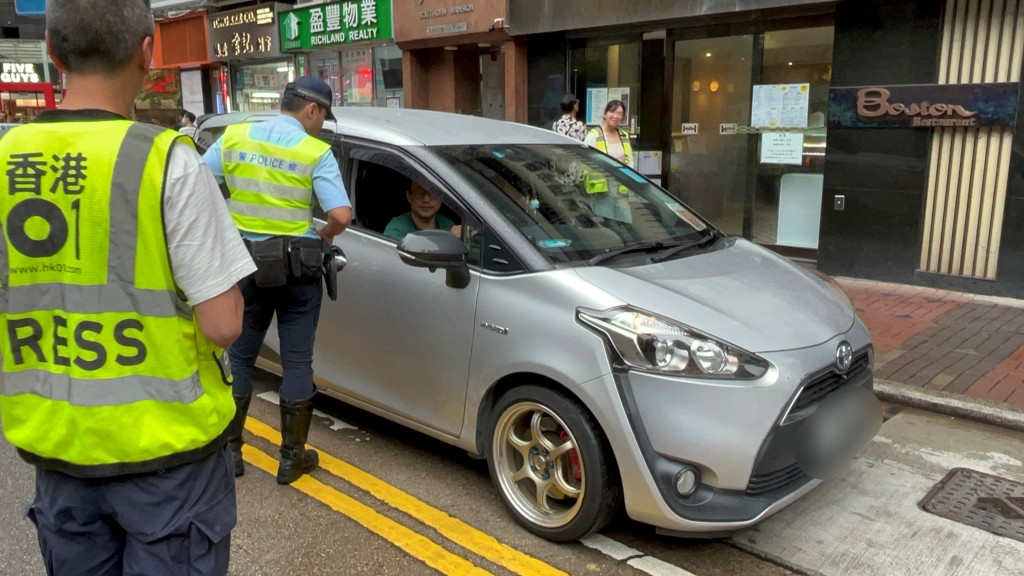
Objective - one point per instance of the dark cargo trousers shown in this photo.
(175, 522)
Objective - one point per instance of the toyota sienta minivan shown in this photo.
(602, 345)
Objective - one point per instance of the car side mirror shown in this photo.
(433, 249)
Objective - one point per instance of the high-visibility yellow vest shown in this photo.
(595, 185)
(271, 186)
(105, 369)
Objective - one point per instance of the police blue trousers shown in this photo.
(297, 305)
(175, 522)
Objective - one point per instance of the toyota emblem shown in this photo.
(844, 357)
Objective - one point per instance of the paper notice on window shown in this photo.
(780, 105)
(649, 162)
(782, 148)
(597, 99)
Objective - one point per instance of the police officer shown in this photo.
(272, 171)
(119, 265)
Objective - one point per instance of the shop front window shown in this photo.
(325, 66)
(258, 87)
(357, 76)
(599, 73)
(387, 76)
(748, 132)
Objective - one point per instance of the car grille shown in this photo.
(762, 483)
(816, 390)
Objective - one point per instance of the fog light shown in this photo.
(686, 481)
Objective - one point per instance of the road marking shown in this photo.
(414, 544)
(636, 559)
(452, 528)
(336, 424)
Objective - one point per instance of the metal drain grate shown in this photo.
(981, 500)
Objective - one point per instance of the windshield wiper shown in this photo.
(670, 252)
(644, 247)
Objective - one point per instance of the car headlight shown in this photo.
(647, 342)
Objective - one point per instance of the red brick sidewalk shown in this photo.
(939, 340)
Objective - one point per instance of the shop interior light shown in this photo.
(283, 68)
(273, 95)
(696, 85)
(713, 86)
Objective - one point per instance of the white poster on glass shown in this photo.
(782, 148)
(619, 93)
(192, 92)
(780, 105)
(597, 99)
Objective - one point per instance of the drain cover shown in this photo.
(981, 500)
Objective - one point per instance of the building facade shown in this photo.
(459, 57)
(735, 109)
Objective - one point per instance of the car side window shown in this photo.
(385, 186)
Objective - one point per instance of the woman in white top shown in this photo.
(608, 137)
(608, 199)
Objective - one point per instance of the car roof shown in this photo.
(407, 127)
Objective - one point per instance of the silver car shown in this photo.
(591, 336)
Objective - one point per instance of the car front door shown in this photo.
(397, 339)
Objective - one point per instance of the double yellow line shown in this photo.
(413, 543)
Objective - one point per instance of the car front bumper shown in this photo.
(740, 437)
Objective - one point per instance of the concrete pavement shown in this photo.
(951, 352)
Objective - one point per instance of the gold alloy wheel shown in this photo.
(536, 460)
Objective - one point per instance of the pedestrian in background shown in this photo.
(608, 137)
(188, 124)
(273, 170)
(568, 125)
(116, 314)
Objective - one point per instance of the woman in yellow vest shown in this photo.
(613, 141)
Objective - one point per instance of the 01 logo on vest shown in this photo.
(25, 174)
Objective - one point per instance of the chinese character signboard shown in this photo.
(336, 23)
(924, 106)
(244, 34)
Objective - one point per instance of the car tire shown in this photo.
(551, 464)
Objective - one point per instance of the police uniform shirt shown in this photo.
(283, 130)
(207, 254)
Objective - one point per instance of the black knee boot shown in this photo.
(295, 459)
(235, 432)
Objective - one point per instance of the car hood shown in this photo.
(740, 293)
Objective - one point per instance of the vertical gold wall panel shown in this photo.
(982, 41)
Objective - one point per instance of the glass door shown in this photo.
(712, 81)
(748, 132)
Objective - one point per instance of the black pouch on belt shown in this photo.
(306, 257)
(271, 258)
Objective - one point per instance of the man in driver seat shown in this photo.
(422, 214)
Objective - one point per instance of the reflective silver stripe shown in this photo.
(268, 212)
(269, 188)
(124, 200)
(95, 300)
(103, 391)
(230, 155)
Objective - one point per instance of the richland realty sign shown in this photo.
(924, 106)
(335, 23)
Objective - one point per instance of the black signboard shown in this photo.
(245, 34)
(923, 106)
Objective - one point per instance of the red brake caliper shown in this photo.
(575, 469)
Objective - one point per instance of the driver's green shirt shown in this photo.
(402, 225)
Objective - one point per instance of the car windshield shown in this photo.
(575, 203)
